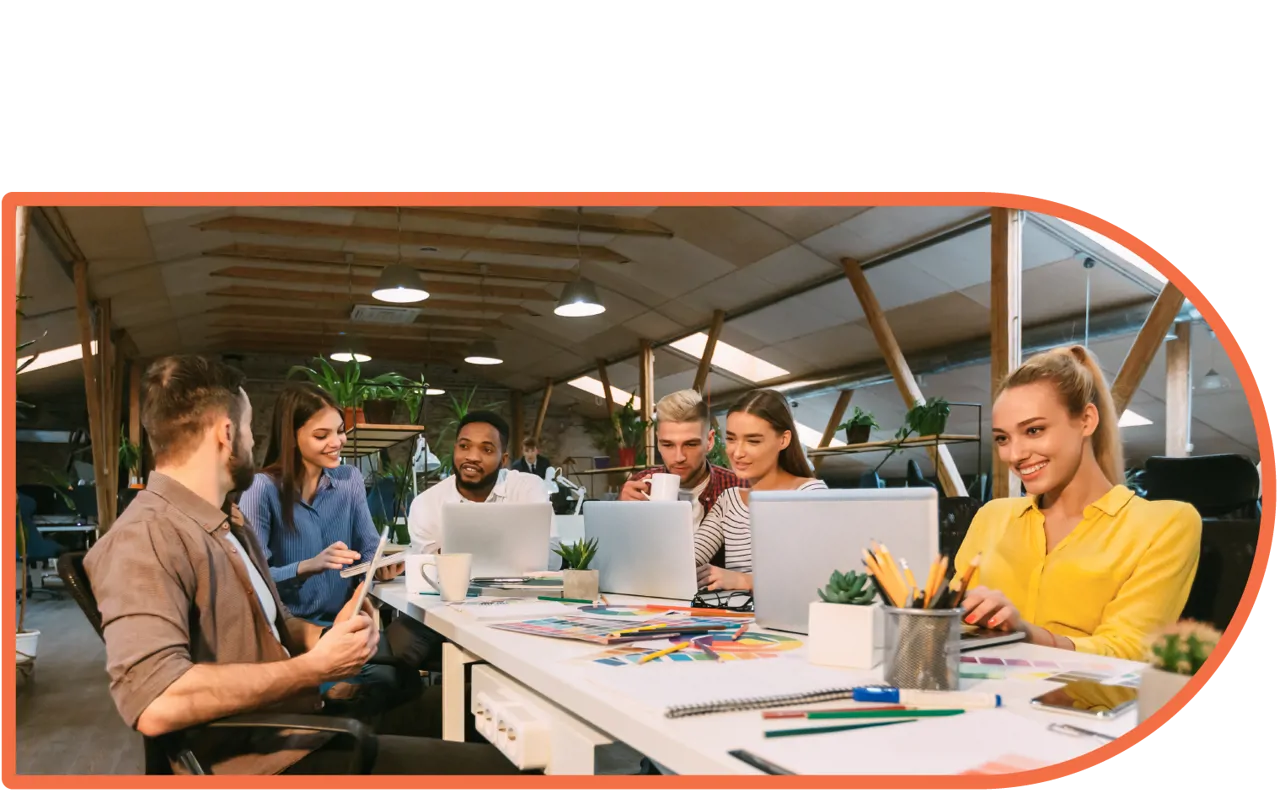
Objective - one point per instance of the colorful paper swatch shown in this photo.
(748, 647)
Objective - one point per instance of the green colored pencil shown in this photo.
(834, 728)
(880, 714)
(565, 600)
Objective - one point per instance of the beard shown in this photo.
(486, 483)
(240, 466)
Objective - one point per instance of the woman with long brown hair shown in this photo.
(764, 448)
(1081, 562)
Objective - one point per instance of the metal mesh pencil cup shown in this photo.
(922, 648)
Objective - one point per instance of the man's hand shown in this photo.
(389, 572)
(344, 649)
(335, 557)
(635, 490)
(714, 578)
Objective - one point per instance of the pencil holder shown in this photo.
(922, 648)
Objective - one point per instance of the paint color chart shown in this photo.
(979, 667)
(748, 647)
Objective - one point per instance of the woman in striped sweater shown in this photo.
(764, 449)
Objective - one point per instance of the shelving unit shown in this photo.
(366, 439)
(884, 446)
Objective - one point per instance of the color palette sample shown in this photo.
(1006, 764)
(597, 630)
(748, 647)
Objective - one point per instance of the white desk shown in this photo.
(626, 704)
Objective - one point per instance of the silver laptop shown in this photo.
(798, 537)
(646, 547)
(503, 539)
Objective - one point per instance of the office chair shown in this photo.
(915, 476)
(39, 548)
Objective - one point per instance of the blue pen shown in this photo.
(926, 699)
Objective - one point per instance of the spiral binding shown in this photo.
(759, 703)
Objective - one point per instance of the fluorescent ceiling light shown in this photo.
(595, 387)
(731, 359)
(1131, 419)
(434, 392)
(1118, 249)
(54, 357)
(809, 437)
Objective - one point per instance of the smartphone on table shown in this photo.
(1088, 698)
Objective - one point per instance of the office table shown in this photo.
(577, 704)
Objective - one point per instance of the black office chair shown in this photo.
(954, 517)
(85, 497)
(1217, 485)
(916, 477)
(48, 500)
(1227, 548)
(40, 548)
(163, 752)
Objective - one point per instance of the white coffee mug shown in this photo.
(664, 487)
(451, 578)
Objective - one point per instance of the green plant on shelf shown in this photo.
(345, 386)
(860, 418)
(923, 420)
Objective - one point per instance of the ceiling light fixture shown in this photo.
(400, 283)
(483, 352)
(350, 348)
(579, 298)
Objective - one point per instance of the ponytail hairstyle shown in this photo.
(295, 406)
(770, 405)
(1075, 374)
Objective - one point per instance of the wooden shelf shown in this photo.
(925, 441)
(370, 438)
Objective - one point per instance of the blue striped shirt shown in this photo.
(338, 511)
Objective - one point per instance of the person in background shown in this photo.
(312, 518)
(531, 462)
(685, 438)
(193, 624)
(1081, 562)
(764, 449)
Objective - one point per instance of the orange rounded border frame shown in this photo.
(13, 200)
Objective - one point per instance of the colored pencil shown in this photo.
(566, 600)
(675, 648)
(700, 612)
(833, 728)
(857, 714)
(738, 633)
(958, 597)
(803, 714)
(705, 646)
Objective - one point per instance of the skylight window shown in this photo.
(1131, 419)
(595, 387)
(1118, 249)
(54, 357)
(730, 359)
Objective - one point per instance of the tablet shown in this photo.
(368, 576)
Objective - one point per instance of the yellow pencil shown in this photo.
(930, 583)
(675, 648)
(641, 629)
(911, 579)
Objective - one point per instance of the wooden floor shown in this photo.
(67, 721)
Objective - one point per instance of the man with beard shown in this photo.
(194, 627)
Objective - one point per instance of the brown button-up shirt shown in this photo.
(173, 594)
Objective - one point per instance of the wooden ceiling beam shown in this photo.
(242, 291)
(535, 217)
(364, 284)
(315, 344)
(426, 264)
(341, 315)
(437, 353)
(364, 330)
(243, 224)
(1145, 345)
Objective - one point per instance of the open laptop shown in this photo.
(646, 547)
(503, 539)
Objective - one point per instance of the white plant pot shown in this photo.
(846, 636)
(581, 584)
(1155, 688)
(26, 644)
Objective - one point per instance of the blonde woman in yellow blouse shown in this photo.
(1081, 562)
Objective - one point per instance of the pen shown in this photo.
(858, 714)
(925, 699)
(675, 648)
(760, 763)
(804, 714)
(566, 600)
(833, 728)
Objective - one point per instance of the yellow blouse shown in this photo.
(1122, 573)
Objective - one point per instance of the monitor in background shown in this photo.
(646, 547)
(798, 537)
(503, 539)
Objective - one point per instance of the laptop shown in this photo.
(798, 537)
(503, 539)
(646, 547)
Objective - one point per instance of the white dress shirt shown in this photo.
(426, 511)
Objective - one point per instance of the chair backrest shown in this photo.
(39, 547)
(86, 500)
(870, 479)
(1227, 548)
(48, 502)
(916, 477)
(71, 571)
(1215, 484)
(954, 516)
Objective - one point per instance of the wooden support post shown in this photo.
(1177, 392)
(542, 411)
(517, 425)
(708, 352)
(92, 392)
(1006, 324)
(135, 411)
(608, 394)
(1144, 347)
(837, 414)
(20, 263)
(948, 474)
(646, 401)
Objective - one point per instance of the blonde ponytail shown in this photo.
(1078, 379)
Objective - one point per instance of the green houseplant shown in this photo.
(1176, 654)
(846, 625)
(580, 583)
(623, 433)
(345, 386)
(458, 409)
(923, 420)
(858, 428)
(130, 458)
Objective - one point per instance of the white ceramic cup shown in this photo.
(664, 487)
(451, 577)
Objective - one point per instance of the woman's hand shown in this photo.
(389, 572)
(335, 557)
(990, 608)
(713, 578)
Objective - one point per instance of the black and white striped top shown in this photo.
(729, 524)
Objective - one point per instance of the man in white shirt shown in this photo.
(482, 477)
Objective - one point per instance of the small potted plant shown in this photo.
(579, 582)
(846, 627)
(131, 459)
(1175, 654)
(858, 428)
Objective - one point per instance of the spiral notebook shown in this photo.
(760, 703)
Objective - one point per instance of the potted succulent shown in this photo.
(579, 582)
(1175, 655)
(846, 626)
(858, 428)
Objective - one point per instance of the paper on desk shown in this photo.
(513, 610)
(947, 745)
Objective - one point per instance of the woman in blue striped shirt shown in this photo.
(313, 519)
